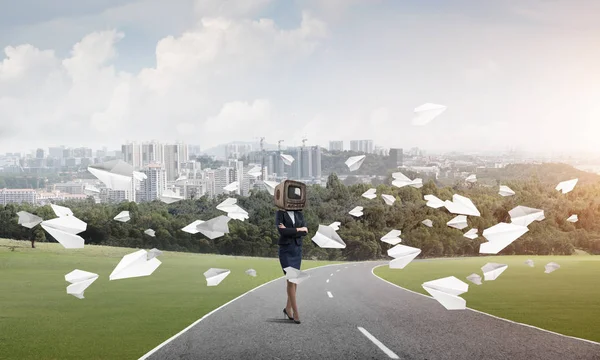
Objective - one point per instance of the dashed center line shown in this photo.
(337, 270)
(329, 294)
(327, 281)
(379, 344)
(331, 274)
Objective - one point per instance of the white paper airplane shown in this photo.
(65, 229)
(255, 171)
(123, 216)
(115, 174)
(446, 291)
(566, 186)
(287, 159)
(233, 210)
(80, 280)
(91, 189)
(28, 220)
(402, 255)
(550, 267)
(215, 227)
(401, 180)
(152, 253)
(139, 176)
(523, 215)
(427, 223)
(136, 264)
(471, 234)
(270, 186)
(573, 218)
(459, 222)
(150, 232)
(193, 227)
(505, 191)
(294, 275)
(425, 113)
(474, 278)
(327, 238)
(462, 206)
(389, 199)
(471, 178)
(433, 201)
(214, 276)
(529, 263)
(61, 211)
(500, 236)
(181, 178)
(357, 211)
(392, 238)
(354, 162)
(251, 272)
(234, 186)
(491, 271)
(370, 194)
(170, 197)
(335, 225)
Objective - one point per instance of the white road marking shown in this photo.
(331, 274)
(327, 281)
(337, 270)
(329, 294)
(379, 344)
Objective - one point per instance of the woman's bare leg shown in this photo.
(288, 306)
(291, 291)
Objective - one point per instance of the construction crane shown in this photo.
(304, 140)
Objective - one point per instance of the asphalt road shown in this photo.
(410, 326)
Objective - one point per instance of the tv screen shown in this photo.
(294, 193)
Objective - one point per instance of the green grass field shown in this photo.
(121, 319)
(566, 301)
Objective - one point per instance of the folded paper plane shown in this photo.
(433, 201)
(91, 190)
(136, 264)
(566, 186)
(446, 291)
(80, 280)
(150, 232)
(153, 253)
(389, 199)
(215, 227)
(471, 234)
(28, 220)
(573, 218)
(234, 186)
(233, 210)
(491, 271)
(529, 263)
(255, 171)
(61, 211)
(115, 174)
(370, 194)
(327, 238)
(123, 216)
(427, 223)
(401, 180)
(459, 222)
(139, 176)
(181, 178)
(65, 229)
(462, 206)
(474, 278)
(505, 191)
(402, 255)
(287, 159)
(251, 272)
(392, 238)
(425, 113)
(335, 225)
(270, 186)
(471, 178)
(357, 211)
(354, 162)
(170, 197)
(214, 276)
(523, 215)
(550, 267)
(193, 227)
(500, 236)
(294, 275)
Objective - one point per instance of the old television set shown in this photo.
(290, 195)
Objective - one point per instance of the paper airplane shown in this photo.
(461, 205)
(136, 264)
(234, 186)
(471, 178)
(523, 215)
(65, 229)
(181, 178)
(573, 218)
(287, 159)
(255, 171)
(152, 253)
(401, 180)
(61, 211)
(474, 278)
(425, 113)
(80, 280)
(459, 222)
(357, 211)
(529, 263)
(550, 267)
(427, 223)
(370, 194)
(392, 237)
(150, 232)
(170, 197)
(446, 291)
(233, 210)
(123, 216)
(335, 225)
(28, 220)
(294, 275)
(193, 227)
(139, 176)
(471, 234)
(500, 236)
(327, 238)
(270, 186)
(214, 276)
(251, 272)
(215, 227)
(566, 186)
(433, 201)
(91, 189)
(402, 255)
(389, 199)
(491, 271)
(505, 191)
(115, 174)
(354, 162)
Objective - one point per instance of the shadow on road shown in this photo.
(281, 321)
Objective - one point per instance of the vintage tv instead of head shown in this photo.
(290, 195)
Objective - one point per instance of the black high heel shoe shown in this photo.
(297, 321)
(286, 314)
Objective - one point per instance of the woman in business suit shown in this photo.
(292, 229)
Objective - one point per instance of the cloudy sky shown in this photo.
(521, 74)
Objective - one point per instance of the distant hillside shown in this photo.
(549, 173)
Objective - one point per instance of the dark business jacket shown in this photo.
(289, 234)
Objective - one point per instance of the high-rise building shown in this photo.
(396, 157)
(316, 162)
(222, 177)
(236, 151)
(305, 163)
(155, 183)
(17, 196)
(237, 174)
(39, 153)
(336, 145)
(55, 152)
(364, 146)
(174, 156)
